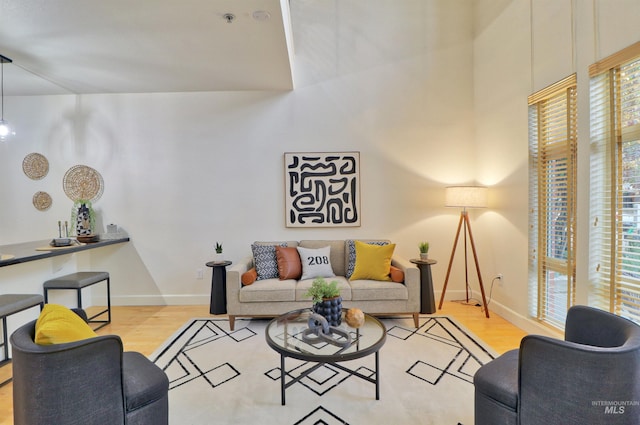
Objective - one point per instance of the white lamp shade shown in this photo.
(466, 196)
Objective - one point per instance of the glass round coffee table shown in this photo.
(291, 336)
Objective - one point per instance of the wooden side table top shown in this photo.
(422, 262)
(218, 263)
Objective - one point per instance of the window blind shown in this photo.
(614, 273)
(552, 217)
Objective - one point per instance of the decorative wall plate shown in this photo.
(35, 166)
(42, 201)
(82, 182)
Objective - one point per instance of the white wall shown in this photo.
(529, 45)
(393, 80)
(426, 101)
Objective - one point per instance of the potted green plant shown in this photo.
(218, 248)
(326, 300)
(424, 250)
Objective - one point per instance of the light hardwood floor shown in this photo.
(143, 329)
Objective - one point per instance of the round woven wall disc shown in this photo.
(35, 166)
(42, 201)
(82, 182)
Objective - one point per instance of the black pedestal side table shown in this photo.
(218, 304)
(427, 299)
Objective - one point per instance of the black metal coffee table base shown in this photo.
(284, 385)
(288, 335)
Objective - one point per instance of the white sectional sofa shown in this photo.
(270, 297)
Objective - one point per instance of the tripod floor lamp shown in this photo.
(465, 197)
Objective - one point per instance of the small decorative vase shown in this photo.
(331, 309)
(84, 217)
(218, 258)
(424, 256)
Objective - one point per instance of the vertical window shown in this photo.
(615, 184)
(552, 167)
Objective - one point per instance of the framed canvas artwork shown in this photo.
(322, 189)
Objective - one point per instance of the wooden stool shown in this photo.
(77, 281)
(11, 304)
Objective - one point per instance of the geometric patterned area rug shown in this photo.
(233, 377)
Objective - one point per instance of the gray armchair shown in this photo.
(85, 382)
(592, 377)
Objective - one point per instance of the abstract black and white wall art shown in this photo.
(322, 189)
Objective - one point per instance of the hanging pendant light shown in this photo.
(5, 130)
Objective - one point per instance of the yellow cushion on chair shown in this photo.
(372, 261)
(57, 324)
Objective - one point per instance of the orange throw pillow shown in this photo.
(289, 265)
(397, 275)
(249, 277)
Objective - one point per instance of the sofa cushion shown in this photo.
(337, 252)
(289, 265)
(396, 274)
(264, 258)
(268, 290)
(351, 253)
(57, 324)
(343, 285)
(376, 290)
(372, 261)
(498, 379)
(249, 276)
(315, 262)
(144, 382)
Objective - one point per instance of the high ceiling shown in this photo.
(140, 46)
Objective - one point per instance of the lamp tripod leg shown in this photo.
(453, 253)
(475, 257)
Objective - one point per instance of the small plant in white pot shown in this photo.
(424, 250)
(326, 300)
(218, 256)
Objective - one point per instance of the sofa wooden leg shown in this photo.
(416, 319)
(232, 322)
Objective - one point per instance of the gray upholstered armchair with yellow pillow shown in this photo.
(276, 277)
(86, 381)
(590, 377)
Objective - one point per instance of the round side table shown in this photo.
(427, 299)
(218, 303)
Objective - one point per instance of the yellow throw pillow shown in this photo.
(57, 324)
(372, 261)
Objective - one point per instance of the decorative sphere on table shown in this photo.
(354, 317)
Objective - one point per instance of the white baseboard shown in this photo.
(187, 299)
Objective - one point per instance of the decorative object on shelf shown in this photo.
(424, 250)
(35, 166)
(82, 182)
(58, 242)
(465, 197)
(322, 189)
(218, 257)
(42, 201)
(319, 331)
(5, 130)
(88, 238)
(83, 217)
(354, 317)
(326, 300)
